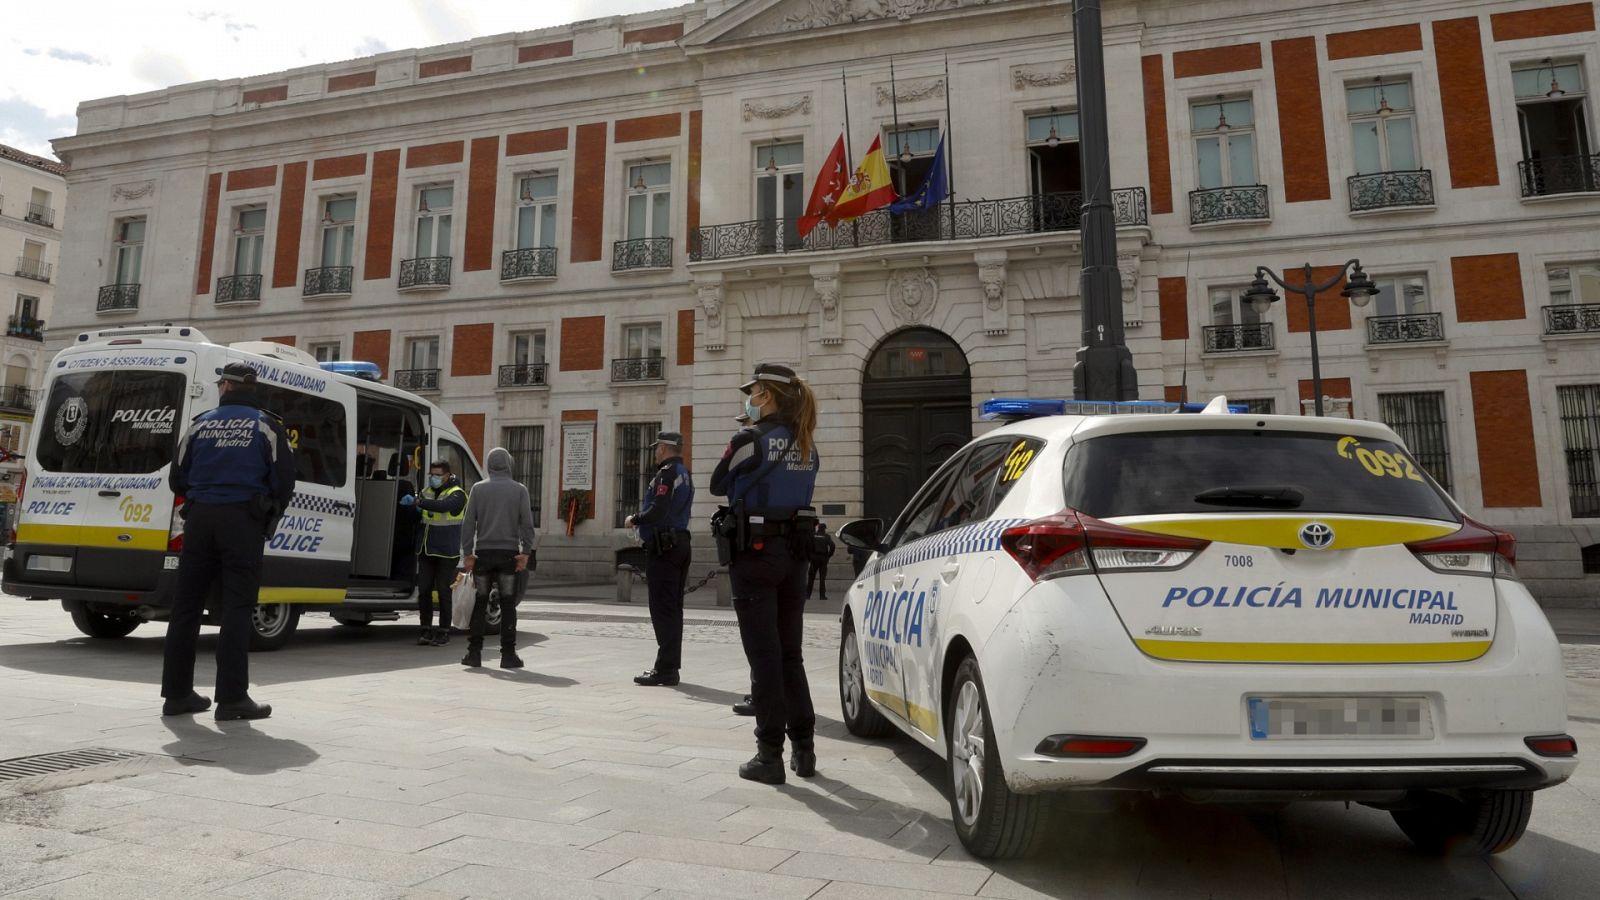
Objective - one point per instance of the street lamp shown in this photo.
(1359, 289)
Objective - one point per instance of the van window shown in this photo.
(460, 463)
(121, 422)
(389, 440)
(316, 427)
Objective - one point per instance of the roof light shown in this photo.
(367, 371)
(1018, 408)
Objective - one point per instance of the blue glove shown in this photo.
(408, 500)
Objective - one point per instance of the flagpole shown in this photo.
(848, 153)
(949, 148)
(894, 105)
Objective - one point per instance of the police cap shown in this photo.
(770, 372)
(237, 373)
(670, 438)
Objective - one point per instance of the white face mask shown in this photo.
(435, 481)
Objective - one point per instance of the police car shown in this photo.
(1220, 606)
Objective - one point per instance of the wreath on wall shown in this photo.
(576, 506)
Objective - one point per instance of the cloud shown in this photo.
(74, 56)
(160, 70)
(370, 46)
(30, 128)
(442, 24)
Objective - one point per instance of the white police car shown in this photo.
(1219, 606)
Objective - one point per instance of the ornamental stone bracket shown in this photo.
(777, 107)
(992, 276)
(709, 293)
(825, 283)
(133, 191)
(1052, 75)
(1128, 266)
(912, 294)
(910, 90)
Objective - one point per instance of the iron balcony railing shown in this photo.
(1572, 318)
(238, 289)
(425, 272)
(965, 220)
(1406, 329)
(642, 253)
(25, 327)
(19, 398)
(525, 375)
(37, 269)
(1230, 338)
(39, 214)
(1559, 175)
(117, 298)
(329, 281)
(638, 368)
(529, 262)
(1390, 190)
(1244, 203)
(416, 379)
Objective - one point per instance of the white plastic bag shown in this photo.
(464, 595)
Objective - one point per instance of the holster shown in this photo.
(662, 541)
(721, 536)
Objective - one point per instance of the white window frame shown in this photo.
(543, 236)
(1240, 311)
(642, 328)
(249, 243)
(529, 347)
(1225, 138)
(1566, 289)
(341, 231)
(325, 351)
(440, 240)
(411, 346)
(1380, 123)
(124, 250)
(1403, 288)
(652, 196)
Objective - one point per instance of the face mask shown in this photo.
(752, 410)
(435, 481)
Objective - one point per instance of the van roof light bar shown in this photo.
(1016, 409)
(366, 371)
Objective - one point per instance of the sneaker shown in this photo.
(510, 660)
(182, 706)
(473, 659)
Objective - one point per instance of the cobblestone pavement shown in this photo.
(387, 770)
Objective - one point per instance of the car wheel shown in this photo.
(272, 624)
(992, 821)
(100, 625)
(1477, 823)
(859, 715)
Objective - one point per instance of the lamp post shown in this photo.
(1358, 290)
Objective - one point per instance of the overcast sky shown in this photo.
(58, 53)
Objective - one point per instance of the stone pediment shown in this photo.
(789, 16)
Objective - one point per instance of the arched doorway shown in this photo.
(916, 404)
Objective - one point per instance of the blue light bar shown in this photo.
(1018, 408)
(366, 371)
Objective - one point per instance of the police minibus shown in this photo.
(99, 528)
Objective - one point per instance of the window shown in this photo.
(1401, 296)
(1419, 419)
(461, 464)
(32, 264)
(641, 340)
(90, 439)
(1553, 121)
(1053, 162)
(422, 353)
(649, 200)
(249, 232)
(970, 498)
(1590, 556)
(27, 307)
(390, 436)
(527, 348)
(1580, 431)
(1224, 142)
(1255, 406)
(338, 231)
(316, 429)
(525, 443)
(780, 193)
(1383, 126)
(433, 221)
(1228, 307)
(917, 521)
(129, 250)
(635, 466)
(326, 352)
(536, 211)
(1578, 283)
(39, 210)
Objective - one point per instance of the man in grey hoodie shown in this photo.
(496, 543)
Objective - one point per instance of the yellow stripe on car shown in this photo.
(1262, 652)
(93, 536)
(923, 718)
(1349, 532)
(301, 595)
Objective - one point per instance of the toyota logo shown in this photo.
(1316, 535)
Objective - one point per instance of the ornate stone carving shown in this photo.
(825, 282)
(910, 91)
(710, 296)
(777, 107)
(912, 294)
(992, 277)
(1128, 265)
(133, 190)
(826, 13)
(1035, 76)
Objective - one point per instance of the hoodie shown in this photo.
(498, 515)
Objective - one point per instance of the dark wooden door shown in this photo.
(908, 437)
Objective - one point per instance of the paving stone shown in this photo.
(713, 881)
(29, 843)
(381, 811)
(516, 884)
(293, 884)
(563, 861)
(524, 830)
(906, 876)
(99, 886)
(354, 833)
(519, 808)
(681, 849)
(366, 865)
(219, 840)
(667, 826)
(189, 869)
(201, 810)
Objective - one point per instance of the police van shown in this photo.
(99, 528)
(1217, 606)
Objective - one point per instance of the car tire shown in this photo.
(101, 626)
(1479, 823)
(992, 821)
(860, 718)
(272, 624)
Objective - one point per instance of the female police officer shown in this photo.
(768, 473)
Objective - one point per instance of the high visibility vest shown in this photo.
(442, 531)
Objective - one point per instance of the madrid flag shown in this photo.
(831, 182)
(869, 188)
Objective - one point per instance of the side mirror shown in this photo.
(863, 534)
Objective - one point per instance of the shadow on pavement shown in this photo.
(523, 676)
(248, 750)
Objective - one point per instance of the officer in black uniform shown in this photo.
(663, 523)
(747, 706)
(235, 471)
(769, 479)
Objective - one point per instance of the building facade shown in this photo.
(575, 237)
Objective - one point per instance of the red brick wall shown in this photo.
(380, 215)
(1174, 294)
(1464, 98)
(481, 193)
(1508, 466)
(1172, 393)
(352, 81)
(1375, 41)
(546, 141)
(291, 213)
(583, 343)
(208, 234)
(686, 428)
(287, 340)
(339, 167)
(656, 35)
(1300, 132)
(471, 427)
(693, 204)
(372, 346)
(588, 192)
(258, 177)
(1333, 311)
(433, 68)
(685, 337)
(1570, 18)
(1157, 152)
(266, 94)
(472, 350)
(1488, 287)
(1331, 387)
(434, 154)
(1216, 60)
(537, 52)
(646, 128)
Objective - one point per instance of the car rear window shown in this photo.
(113, 422)
(1155, 473)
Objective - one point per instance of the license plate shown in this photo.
(1324, 718)
(38, 563)
(170, 563)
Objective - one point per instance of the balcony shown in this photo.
(39, 214)
(37, 269)
(1236, 338)
(425, 273)
(238, 289)
(966, 220)
(532, 262)
(1416, 328)
(1559, 175)
(1572, 318)
(528, 375)
(329, 281)
(18, 398)
(633, 369)
(25, 327)
(1246, 203)
(641, 253)
(117, 298)
(416, 379)
(1390, 190)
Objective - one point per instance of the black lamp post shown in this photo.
(1358, 290)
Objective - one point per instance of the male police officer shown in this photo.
(663, 524)
(443, 503)
(235, 471)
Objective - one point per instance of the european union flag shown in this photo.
(933, 190)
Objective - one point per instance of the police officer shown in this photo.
(443, 504)
(663, 523)
(746, 706)
(770, 476)
(235, 471)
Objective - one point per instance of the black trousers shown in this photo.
(434, 574)
(667, 574)
(222, 543)
(769, 596)
(496, 570)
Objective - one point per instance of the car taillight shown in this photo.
(1071, 543)
(175, 528)
(1553, 745)
(1475, 549)
(1069, 745)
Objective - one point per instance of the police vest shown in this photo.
(679, 497)
(229, 454)
(442, 535)
(782, 482)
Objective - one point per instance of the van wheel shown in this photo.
(1477, 823)
(272, 624)
(100, 625)
(859, 715)
(491, 615)
(991, 820)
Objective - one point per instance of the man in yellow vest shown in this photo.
(443, 503)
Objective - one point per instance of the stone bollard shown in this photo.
(624, 583)
(724, 590)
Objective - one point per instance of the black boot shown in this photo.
(766, 766)
(803, 758)
(242, 709)
(441, 636)
(509, 659)
(426, 637)
(178, 706)
(745, 707)
(474, 657)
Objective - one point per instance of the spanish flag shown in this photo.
(870, 187)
